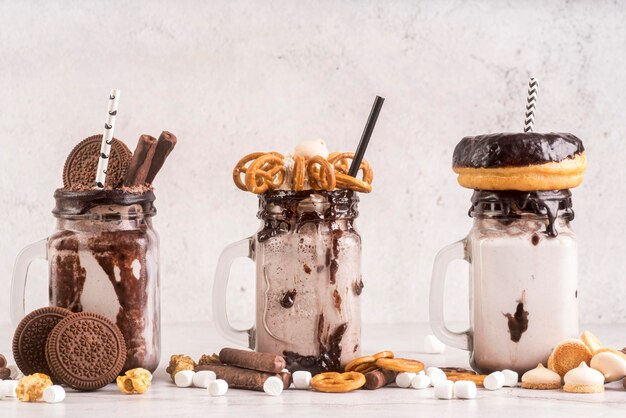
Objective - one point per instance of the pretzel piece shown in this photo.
(299, 173)
(321, 173)
(333, 382)
(266, 172)
(400, 365)
(241, 168)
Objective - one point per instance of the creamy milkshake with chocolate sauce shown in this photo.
(522, 251)
(307, 254)
(103, 255)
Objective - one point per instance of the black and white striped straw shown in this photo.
(531, 104)
(107, 139)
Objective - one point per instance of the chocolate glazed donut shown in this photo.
(525, 161)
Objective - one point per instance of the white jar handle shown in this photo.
(456, 251)
(35, 251)
(243, 248)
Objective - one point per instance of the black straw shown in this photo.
(365, 137)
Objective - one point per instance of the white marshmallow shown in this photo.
(7, 389)
(202, 378)
(184, 378)
(301, 379)
(16, 374)
(510, 378)
(464, 389)
(218, 387)
(494, 381)
(404, 379)
(311, 148)
(433, 346)
(54, 394)
(420, 381)
(436, 375)
(444, 389)
(273, 386)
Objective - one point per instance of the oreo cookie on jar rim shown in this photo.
(525, 161)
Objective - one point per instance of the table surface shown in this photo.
(165, 399)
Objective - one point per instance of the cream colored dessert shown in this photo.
(611, 363)
(591, 341)
(583, 379)
(541, 378)
(568, 354)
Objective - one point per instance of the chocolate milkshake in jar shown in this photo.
(307, 254)
(521, 249)
(103, 255)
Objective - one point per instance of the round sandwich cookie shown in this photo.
(525, 161)
(29, 340)
(86, 351)
(82, 163)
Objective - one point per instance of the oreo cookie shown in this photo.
(81, 165)
(86, 351)
(29, 340)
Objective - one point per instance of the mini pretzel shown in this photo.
(321, 174)
(367, 360)
(384, 354)
(241, 168)
(400, 365)
(346, 181)
(266, 172)
(299, 172)
(332, 382)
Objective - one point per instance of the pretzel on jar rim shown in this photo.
(321, 173)
(400, 365)
(240, 168)
(299, 173)
(333, 382)
(266, 172)
(340, 162)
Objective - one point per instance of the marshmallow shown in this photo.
(54, 394)
(510, 378)
(436, 375)
(311, 148)
(420, 381)
(444, 389)
(202, 378)
(433, 346)
(301, 379)
(7, 388)
(464, 389)
(404, 379)
(273, 386)
(218, 387)
(494, 381)
(16, 374)
(184, 378)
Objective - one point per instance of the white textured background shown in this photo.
(232, 77)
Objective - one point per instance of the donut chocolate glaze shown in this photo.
(515, 149)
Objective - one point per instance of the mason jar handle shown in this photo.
(443, 259)
(243, 248)
(30, 253)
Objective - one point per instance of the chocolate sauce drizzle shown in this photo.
(510, 205)
(517, 322)
(288, 299)
(71, 204)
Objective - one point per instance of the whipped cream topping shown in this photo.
(541, 375)
(584, 375)
(611, 365)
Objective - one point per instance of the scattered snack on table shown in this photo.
(432, 345)
(583, 379)
(591, 341)
(135, 381)
(184, 378)
(403, 379)
(541, 378)
(379, 378)
(624, 383)
(420, 381)
(464, 389)
(333, 382)
(5, 373)
(180, 362)
(209, 359)
(30, 388)
(302, 379)
(7, 388)
(273, 386)
(97, 347)
(510, 378)
(437, 375)
(400, 364)
(29, 339)
(202, 378)
(444, 389)
(54, 394)
(218, 387)
(611, 363)
(567, 355)
(16, 374)
(263, 362)
(494, 381)
(241, 378)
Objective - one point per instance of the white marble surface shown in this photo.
(166, 400)
(232, 77)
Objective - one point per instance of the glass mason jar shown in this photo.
(308, 280)
(103, 257)
(523, 280)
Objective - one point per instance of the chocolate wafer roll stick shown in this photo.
(167, 142)
(141, 161)
(239, 378)
(377, 379)
(264, 362)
